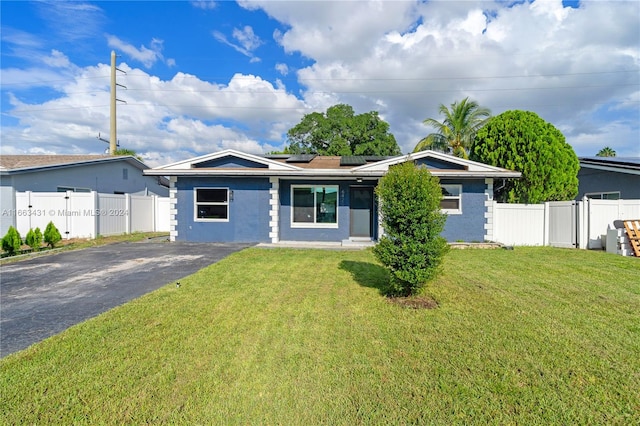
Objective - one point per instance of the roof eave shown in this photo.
(351, 173)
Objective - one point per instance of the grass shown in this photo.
(278, 336)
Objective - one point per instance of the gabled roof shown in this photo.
(194, 162)
(468, 165)
(317, 166)
(10, 164)
(628, 165)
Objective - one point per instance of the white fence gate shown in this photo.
(88, 214)
(563, 221)
(582, 224)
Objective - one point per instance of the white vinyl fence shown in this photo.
(88, 214)
(582, 224)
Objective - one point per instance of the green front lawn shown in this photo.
(278, 336)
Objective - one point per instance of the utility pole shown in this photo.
(113, 138)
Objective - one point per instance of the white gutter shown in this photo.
(322, 173)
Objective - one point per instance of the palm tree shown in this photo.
(458, 129)
(606, 152)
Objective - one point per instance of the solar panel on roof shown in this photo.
(352, 160)
(301, 158)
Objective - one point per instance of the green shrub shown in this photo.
(412, 248)
(51, 235)
(34, 239)
(11, 242)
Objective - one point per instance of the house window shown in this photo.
(72, 189)
(211, 204)
(125, 174)
(451, 199)
(613, 195)
(314, 206)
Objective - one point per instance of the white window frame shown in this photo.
(196, 203)
(314, 224)
(453, 197)
(72, 189)
(599, 195)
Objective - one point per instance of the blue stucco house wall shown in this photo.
(469, 226)
(609, 178)
(248, 204)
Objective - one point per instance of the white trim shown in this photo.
(453, 197)
(190, 163)
(488, 210)
(314, 224)
(274, 195)
(470, 166)
(195, 204)
(590, 195)
(173, 208)
(611, 168)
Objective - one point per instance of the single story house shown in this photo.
(231, 196)
(609, 178)
(77, 173)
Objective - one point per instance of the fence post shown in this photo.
(127, 207)
(154, 215)
(96, 215)
(545, 234)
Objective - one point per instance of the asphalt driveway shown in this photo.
(45, 295)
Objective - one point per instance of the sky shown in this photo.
(203, 76)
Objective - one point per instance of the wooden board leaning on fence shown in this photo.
(633, 233)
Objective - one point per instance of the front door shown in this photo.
(361, 212)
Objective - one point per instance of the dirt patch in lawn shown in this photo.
(414, 302)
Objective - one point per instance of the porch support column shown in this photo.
(488, 210)
(173, 208)
(274, 204)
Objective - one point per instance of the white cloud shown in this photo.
(282, 68)
(204, 4)
(147, 56)
(175, 118)
(57, 60)
(404, 60)
(247, 41)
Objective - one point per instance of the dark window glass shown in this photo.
(212, 196)
(212, 211)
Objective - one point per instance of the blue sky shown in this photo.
(203, 76)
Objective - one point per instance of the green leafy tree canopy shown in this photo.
(411, 247)
(458, 129)
(606, 152)
(341, 132)
(126, 151)
(524, 142)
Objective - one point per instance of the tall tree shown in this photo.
(456, 132)
(524, 142)
(340, 132)
(606, 152)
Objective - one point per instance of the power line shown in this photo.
(205, 78)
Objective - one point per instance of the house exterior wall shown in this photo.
(248, 211)
(250, 219)
(593, 180)
(340, 233)
(470, 225)
(104, 178)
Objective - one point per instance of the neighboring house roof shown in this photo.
(223, 163)
(14, 164)
(628, 165)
